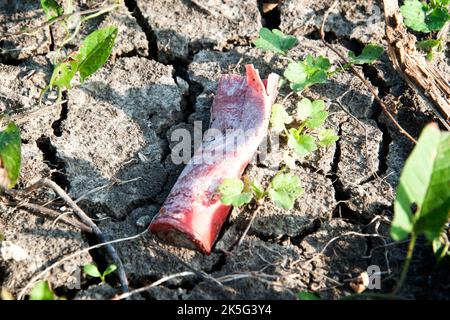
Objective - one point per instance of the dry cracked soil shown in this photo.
(109, 146)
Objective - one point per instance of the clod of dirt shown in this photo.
(15, 15)
(191, 25)
(102, 291)
(361, 19)
(41, 243)
(113, 134)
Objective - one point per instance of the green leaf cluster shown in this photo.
(275, 41)
(92, 270)
(283, 190)
(305, 73)
(423, 17)
(93, 54)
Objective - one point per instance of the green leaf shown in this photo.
(275, 40)
(284, 190)
(304, 109)
(302, 144)
(440, 249)
(95, 50)
(414, 15)
(110, 269)
(429, 44)
(303, 74)
(437, 18)
(424, 188)
(51, 8)
(41, 291)
(92, 270)
(279, 118)
(312, 112)
(10, 156)
(304, 295)
(63, 74)
(327, 137)
(369, 55)
(231, 193)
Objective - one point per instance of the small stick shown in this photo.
(255, 212)
(85, 219)
(52, 213)
(361, 77)
(54, 20)
(154, 284)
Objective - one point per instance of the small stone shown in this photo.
(143, 222)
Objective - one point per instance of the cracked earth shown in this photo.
(109, 146)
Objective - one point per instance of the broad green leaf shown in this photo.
(41, 291)
(327, 137)
(414, 15)
(304, 295)
(284, 190)
(10, 156)
(92, 270)
(95, 50)
(296, 74)
(231, 193)
(437, 18)
(424, 188)
(369, 55)
(275, 40)
(279, 118)
(302, 144)
(110, 269)
(63, 74)
(51, 8)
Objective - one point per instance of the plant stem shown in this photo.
(406, 264)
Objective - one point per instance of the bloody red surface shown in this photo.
(192, 214)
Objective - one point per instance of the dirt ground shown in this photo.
(109, 145)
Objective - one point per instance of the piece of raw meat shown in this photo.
(193, 214)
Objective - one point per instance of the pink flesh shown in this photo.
(193, 214)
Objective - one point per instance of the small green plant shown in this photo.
(42, 291)
(283, 190)
(422, 205)
(305, 295)
(427, 17)
(10, 156)
(92, 270)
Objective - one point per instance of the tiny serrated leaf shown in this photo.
(296, 74)
(92, 270)
(231, 192)
(95, 50)
(275, 40)
(284, 190)
(41, 291)
(10, 156)
(327, 137)
(302, 144)
(317, 120)
(369, 55)
(279, 118)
